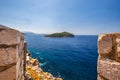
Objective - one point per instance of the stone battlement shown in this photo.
(109, 57)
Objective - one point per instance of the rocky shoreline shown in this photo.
(34, 71)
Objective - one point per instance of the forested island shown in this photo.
(61, 34)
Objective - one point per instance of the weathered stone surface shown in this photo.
(3, 27)
(7, 56)
(104, 45)
(13, 59)
(9, 37)
(109, 57)
(12, 54)
(118, 47)
(9, 74)
(109, 69)
(3, 57)
(100, 77)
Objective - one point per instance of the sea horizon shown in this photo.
(69, 58)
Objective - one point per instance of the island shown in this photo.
(61, 34)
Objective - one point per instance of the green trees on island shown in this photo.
(62, 34)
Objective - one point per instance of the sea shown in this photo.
(68, 58)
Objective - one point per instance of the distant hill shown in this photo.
(61, 34)
(28, 33)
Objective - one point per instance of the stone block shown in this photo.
(104, 45)
(109, 69)
(118, 47)
(12, 54)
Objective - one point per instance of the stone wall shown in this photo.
(12, 55)
(15, 60)
(109, 57)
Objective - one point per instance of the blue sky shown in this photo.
(48, 16)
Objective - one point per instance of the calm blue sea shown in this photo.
(69, 58)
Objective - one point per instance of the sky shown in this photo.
(89, 17)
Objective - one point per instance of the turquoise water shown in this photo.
(69, 58)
